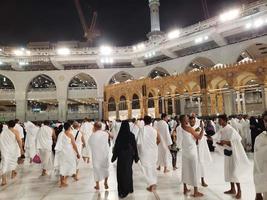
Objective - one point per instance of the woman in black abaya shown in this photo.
(125, 151)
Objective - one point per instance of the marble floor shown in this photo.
(29, 185)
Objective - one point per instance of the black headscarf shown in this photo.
(124, 136)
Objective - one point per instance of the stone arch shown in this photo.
(111, 104)
(243, 78)
(120, 77)
(6, 82)
(82, 80)
(253, 52)
(199, 63)
(123, 103)
(41, 81)
(158, 72)
(218, 83)
(135, 101)
(150, 102)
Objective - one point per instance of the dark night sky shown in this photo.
(121, 22)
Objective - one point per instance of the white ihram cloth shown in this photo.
(78, 135)
(66, 157)
(190, 161)
(236, 165)
(115, 130)
(19, 128)
(179, 136)
(30, 142)
(100, 154)
(204, 155)
(236, 124)
(86, 129)
(135, 130)
(164, 154)
(260, 163)
(44, 145)
(148, 153)
(58, 148)
(9, 151)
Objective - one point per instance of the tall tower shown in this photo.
(154, 18)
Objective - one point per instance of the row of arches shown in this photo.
(43, 81)
(252, 53)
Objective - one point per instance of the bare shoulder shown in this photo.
(15, 132)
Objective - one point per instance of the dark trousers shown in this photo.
(174, 158)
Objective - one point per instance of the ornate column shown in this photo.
(220, 103)
(21, 108)
(173, 105)
(166, 102)
(129, 107)
(156, 104)
(62, 109)
(239, 109)
(117, 111)
(265, 98)
(191, 100)
(244, 102)
(199, 106)
(182, 105)
(162, 105)
(145, 104)
(106, 117)
(142, 112)
(213, 104)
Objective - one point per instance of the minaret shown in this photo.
(154, 17)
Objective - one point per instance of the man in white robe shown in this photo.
(67, 155)
(204, 155)
(86, 129)
(79, 140)
(190, 156)
(30, 142)
(260, 162)
(11, 149)
(134, 128)
(44, 144)
(164, 154)
(19, 128)
(148, 141)
(236, 162)
(100, 154)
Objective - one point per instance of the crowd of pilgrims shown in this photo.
(60, 148)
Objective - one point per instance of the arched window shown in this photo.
(6, 83)
(42, 82)
(83, 81)
(111, 104)
(135, 102)
(123, 103)
(150, 101)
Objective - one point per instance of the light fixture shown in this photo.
(1, 63)
(23, 63)
(174, 34)
(201, 39)
(63, 51)
(106, 50)
(18, 52)
(258, 23)
(248, 25)
(150, 54)
(230, 15)
(139, 47)
(107, 60)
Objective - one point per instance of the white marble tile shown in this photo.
(30, 185)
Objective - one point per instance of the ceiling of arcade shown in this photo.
(235, 76)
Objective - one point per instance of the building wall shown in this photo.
(21, 79)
